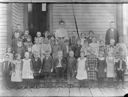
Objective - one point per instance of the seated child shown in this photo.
(27, 70)
(36, 62)
(71, 68)
(16, 74)
(81, 69)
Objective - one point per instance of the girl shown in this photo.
(101, 68)
(47, 66)
(92, 67)
(27, 70)
(85, 47)
(91, 36)
(81, 69)
(94, 46)
(16, 74)
(26, 36)
(28, 43)
(102, 47)
(38, 37)
(82, 38)
(20, 49)
(36, 62)
(71, 68)
(7, 67)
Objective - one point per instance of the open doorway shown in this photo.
(38, 20)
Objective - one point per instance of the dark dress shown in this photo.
(111, 34)
(101, 65)
(76, 50)
(36, 66)
(120, 69)
(71, 67)
(21, 51)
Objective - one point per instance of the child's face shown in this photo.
(60, 54)
(38, 34)
(71, 54)
(17, 35)
(112, 42)
(18, 56)
(28, 39)
(52, 38)
(82, 54)
(27, 55)
(9, 50)
(19, 44)
(26, 32)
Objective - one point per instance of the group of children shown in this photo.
(86, 59)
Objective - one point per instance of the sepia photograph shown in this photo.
(63, 48)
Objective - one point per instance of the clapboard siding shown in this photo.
(94, 17)
(17, 15)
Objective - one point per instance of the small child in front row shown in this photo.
(16, 76)
(120, 66)
(81, 69)
(71, 67)
(101, 68)
(47, 66)
(27, 70)
(36, 62)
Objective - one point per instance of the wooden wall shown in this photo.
(94, 17)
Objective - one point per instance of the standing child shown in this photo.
(66, 48)
(120, 66)
(20, 49)
(85, 47)
(81, 69)
(27, 70)
(60, 66)
(7, 66)
(38, 37)
(36, 62)
(101, 68)
(26, 36)
(47, 66)
(92, 67)
(16, 76)
(71, 68)
(77, 49)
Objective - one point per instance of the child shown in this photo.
(16, 74)
(55, 48)
(81, 69)
(91, 36)
(36, 62)
(72, 40)
(45, 47)
(101, 68)
(85, 47)
(29, 49)
(82, 38)
(92, 67)
(102, 47)
(60, 66)
(20, 49)
(94, 46)
(27, 70)
(71, 68)
(120, 66)
(47, 66)
(26, 36)
(52, 40)
(38, 37)
(15, 40)
(28, 43)
(36, 48)
(110, 60)
(77, 49)
(7, 67)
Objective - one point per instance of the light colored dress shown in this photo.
(81, 69)
(110, 67)
(27, 71)
(17, 75)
